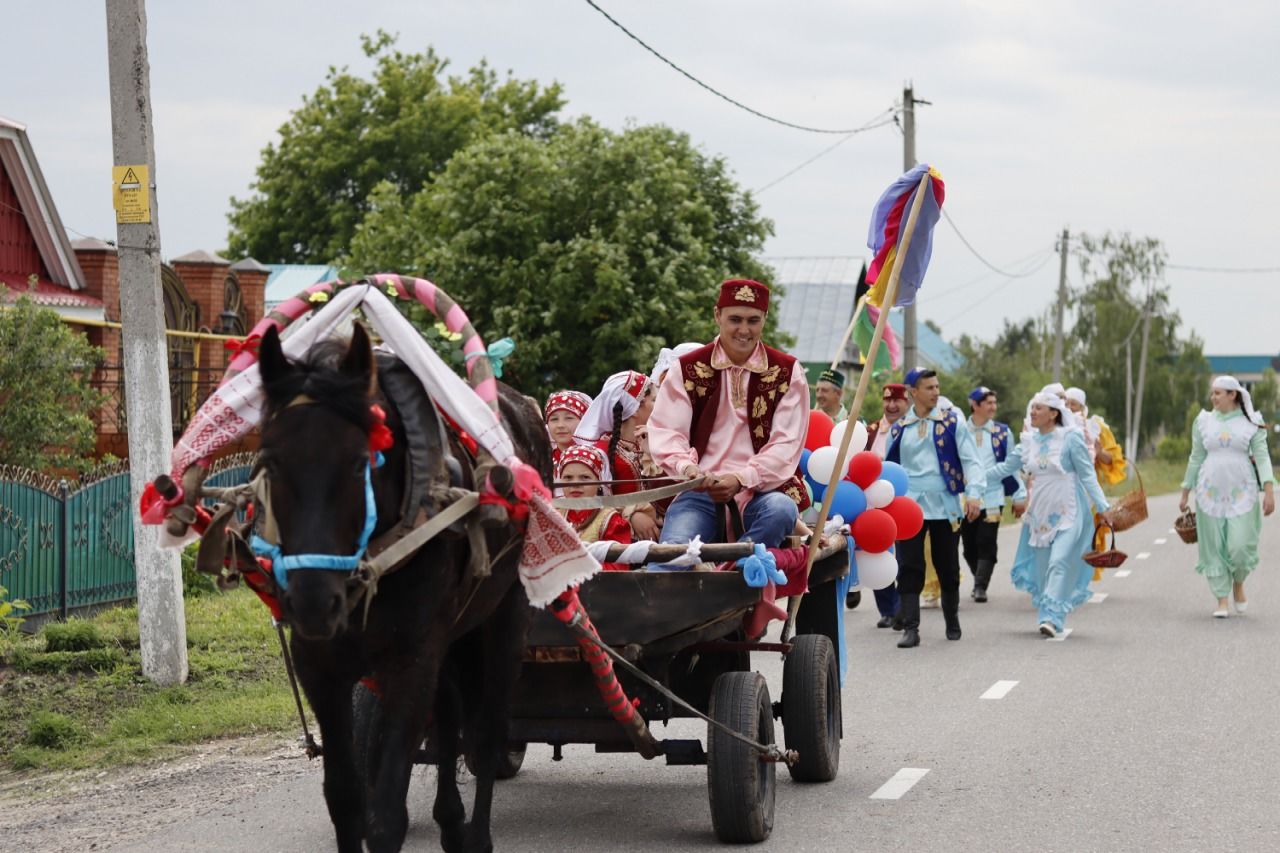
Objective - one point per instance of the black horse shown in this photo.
(428, 624)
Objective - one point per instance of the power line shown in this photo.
(1244, 270)
(871, 125)
(988, 264)
(716, 92)
(1042, 256)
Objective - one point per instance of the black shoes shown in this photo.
(853, 598)
(910, 638)
(953, 632)
(885, 622)
(979, 594)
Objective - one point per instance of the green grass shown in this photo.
(92, 707)
(1159, 477)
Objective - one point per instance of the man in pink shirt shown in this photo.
(739, 413)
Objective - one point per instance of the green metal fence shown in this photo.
(67, 545)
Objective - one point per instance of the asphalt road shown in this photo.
(1150, 727)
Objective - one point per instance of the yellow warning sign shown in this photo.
(131, 194)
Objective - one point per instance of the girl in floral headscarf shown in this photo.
(585, 464)
(563, 413)
(1229, 465)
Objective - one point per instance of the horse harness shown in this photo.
(439, 498)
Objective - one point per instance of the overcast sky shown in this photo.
(1090, 114)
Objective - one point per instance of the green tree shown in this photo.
(45, 395)
(1127, 277)
(399, 128)
(591, 248)
(1266, 400)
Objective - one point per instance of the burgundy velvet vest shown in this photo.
(764, 391)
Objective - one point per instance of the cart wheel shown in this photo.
(811, 708)
(740, 785)
(509, 763)
(366, 729)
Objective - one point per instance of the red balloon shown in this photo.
(874, 531)
(820, 426)
(907, 514)
(864, 469)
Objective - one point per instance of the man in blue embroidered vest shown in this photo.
(993, 440)
(947, 480)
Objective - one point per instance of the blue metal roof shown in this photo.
(287, 280)
(1236, 364)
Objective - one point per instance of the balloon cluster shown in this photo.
(871, 497)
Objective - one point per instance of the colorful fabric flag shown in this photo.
(889, 355)
(888, 221)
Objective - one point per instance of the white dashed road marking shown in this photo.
(1161, 541)
(1062, 635)
(999, 690)
(1123, 573)
(1143, 555)
(900, 783)
(1098, 598)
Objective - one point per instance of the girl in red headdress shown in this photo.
(563, 412)
(585, 464)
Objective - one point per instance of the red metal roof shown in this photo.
(46, 293)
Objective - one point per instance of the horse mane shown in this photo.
(317, 376)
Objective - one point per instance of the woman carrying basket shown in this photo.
(1057, 527)
(1229, 464)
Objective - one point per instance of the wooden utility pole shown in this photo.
(1062, 304)
(1142, 379)
(162, 630)
(910, 349)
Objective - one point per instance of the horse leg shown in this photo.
(448, 810)
(504, 638)
(330, 698)
(407, 698)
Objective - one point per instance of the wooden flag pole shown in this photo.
(848, 333)
(890, 295)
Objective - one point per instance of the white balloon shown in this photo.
(876, 571)
(837, 433)
(879, 493)
(859, 440)
(821, 463)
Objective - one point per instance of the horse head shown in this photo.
(320, 506)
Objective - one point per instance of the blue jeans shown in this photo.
(769, 518)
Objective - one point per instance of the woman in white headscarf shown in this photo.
(610, 423)
(1229, 465)
(1057, 527)
(667, 359)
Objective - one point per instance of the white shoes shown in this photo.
(1242, 606)
(930, 603)
(1221, 613)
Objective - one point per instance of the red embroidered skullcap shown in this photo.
(894, 391)
(573, 402)
(743, 293)
(584, 454)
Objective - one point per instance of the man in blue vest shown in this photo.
(978, 537)
(947, 479)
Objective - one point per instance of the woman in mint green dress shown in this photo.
(1229, 465)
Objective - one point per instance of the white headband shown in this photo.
(1053, 401)
(667, 359)
(1053, 388)
(1230, 383)
(1076, 394)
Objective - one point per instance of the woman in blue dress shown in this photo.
(1057, 527)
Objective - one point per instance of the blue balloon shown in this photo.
(897, 476)
(819, 489)
(804, 461)
(849, 501)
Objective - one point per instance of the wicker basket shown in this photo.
(1185, 527)
(1131, 509)
(1109, 558)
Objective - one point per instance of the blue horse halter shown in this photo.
(282, 564)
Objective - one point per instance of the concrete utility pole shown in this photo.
(910, 351)
(1062, 304)
(1142, 378)
(162, 629)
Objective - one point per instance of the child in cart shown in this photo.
(585, 464)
